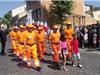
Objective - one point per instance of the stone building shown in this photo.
(41, 8)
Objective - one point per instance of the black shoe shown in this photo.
(38, 68)
(45, 53)
(41, 60)
(57, 65)
(2, 54)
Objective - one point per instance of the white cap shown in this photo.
(38, 22)
(41, 23)
(45, 24)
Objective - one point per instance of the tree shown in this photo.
(7, 19)
(59, 9)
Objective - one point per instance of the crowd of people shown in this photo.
(31, 40)
(89, 36)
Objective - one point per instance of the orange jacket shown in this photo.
(54, 37)
(13, 35)
(21, 36)
(40, 36)
(68, 33)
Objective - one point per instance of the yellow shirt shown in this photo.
(30, 37)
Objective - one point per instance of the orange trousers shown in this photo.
(41, 49)
(14, 46)
(32, 51)
(69, 48)
(55, 52)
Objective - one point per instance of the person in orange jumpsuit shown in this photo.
(54, 38)
(41, 42)
(69, 32)
(20, 43)
(31, 48)
(13, 38)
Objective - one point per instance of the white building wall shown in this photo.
(97, 15)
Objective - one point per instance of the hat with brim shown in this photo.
(30, 26)
(15, 27)
(22, 26)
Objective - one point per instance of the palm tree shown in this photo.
(59, 9)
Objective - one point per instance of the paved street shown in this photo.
(9, 65)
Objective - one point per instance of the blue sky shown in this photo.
(6, 5)
(93, 2)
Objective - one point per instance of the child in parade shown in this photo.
(75, 50)
(64, 50)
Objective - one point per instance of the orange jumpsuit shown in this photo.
(31, 48)
(54, 38)
(13, 36)
(41, 43)
(68, 33)
(20, 44)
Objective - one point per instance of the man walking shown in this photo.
(3, 41)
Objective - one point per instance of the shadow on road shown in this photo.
(22, 65)
(9, 51)
(16, 60)
(53, 67)
(12, 55)
(50, 64)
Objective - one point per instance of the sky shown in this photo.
(96, 3)
(7, 5)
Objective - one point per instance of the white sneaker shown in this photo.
(80, 66)
(65, 69)
(74, 65)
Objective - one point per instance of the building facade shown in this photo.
(19, 15)
(97, 15)
(41, 8)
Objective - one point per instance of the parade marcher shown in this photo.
(54, 38)
(75, 51)
(68, 32)
(41, 42)
(31, 48)
(13, 38)
(3, 39)
(20, 43)
(63, 50)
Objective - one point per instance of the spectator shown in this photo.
(85, 37)
(3, 41)
(94, 39)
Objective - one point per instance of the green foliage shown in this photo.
(59, 9)
(7, 19)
